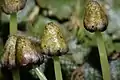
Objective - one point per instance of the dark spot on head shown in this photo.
(92, 26)
(44, 45)
(89, 29)
(61, 37)
(16, 1)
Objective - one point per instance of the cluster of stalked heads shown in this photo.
(20, 52)
(95, 18)
(12, 6)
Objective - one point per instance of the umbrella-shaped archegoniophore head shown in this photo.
(8, 58)
(52, 41)
(12, 6)
(26, 52)
(95, 18)
(20, 52)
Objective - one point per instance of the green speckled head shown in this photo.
(8, 59)
(26, 52)
(95, 18)
(52, 41)
(11, 6)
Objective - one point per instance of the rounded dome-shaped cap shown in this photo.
(12, 6)
(52, 41)
(95, 19)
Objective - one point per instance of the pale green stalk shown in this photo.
(103, 56)
(57, 68)
(40, 74)
(13, 30)
(13, 23)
